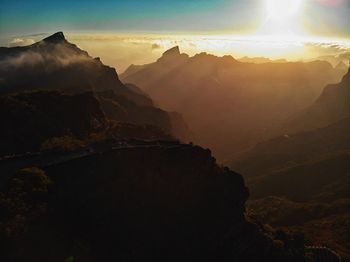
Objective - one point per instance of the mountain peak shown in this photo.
(55, 38)
(174, 51)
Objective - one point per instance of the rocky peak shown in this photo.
(175, 51)
(55, 38)
(173, 54)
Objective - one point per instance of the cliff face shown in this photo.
(175, 204)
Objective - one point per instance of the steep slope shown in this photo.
(308, 173)
(332, 105)
(230, 105)
(56, 64)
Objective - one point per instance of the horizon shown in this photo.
(137, 32)
(122, 49)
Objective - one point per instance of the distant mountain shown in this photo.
(301, 181)
(56, 64)
(230, 105)
(317, 159)
(260, 60)
(332, 106)
(314, 162)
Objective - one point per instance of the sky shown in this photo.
(138, 31)
(320, 17)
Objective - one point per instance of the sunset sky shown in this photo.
(218, 26)
(319, 17)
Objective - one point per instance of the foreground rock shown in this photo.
(155, 201)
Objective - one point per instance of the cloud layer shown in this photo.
(122, 50)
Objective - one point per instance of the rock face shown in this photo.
(56, 64)
(228, 104)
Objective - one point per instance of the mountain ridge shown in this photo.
(56, 64)
(251, 99)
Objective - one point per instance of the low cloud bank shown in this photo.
(122, 50)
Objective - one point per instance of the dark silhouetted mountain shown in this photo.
(156, 201)
(228, 104)
(28, 119)
(56, 64)
(50, 120)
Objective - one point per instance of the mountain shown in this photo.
(55, 64)
(260, 60)
(52, 120)
(157, 201)
(317, 162)
(228, 104)
(301, 181)
(332, 105)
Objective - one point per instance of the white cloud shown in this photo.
(21, 42)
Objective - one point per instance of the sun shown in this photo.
(283, 18)
(282, 10)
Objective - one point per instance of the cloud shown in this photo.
(51, 59)
(332, 2)
(155, 46)
(21, 42)
(121, 50)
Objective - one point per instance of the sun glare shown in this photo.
(283, 18)
(282, 10)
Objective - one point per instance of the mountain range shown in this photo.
(231, 105)
(305, 170)
(54, 64)
(94, 168)
(91, 171)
